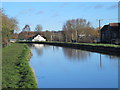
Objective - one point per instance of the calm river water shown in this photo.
(60, 67)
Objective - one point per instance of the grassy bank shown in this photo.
(90, 44)
(96, 44)
(16, 71)
(109, 49)
(0, 67)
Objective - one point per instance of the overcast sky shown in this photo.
(52, 15)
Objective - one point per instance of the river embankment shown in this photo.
(110, 49)
(16, 71)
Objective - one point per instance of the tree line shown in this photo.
(37, 28)
(74, 30)
(7, 27)
(79, 30)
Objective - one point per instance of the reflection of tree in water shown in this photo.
(113, 57)
(38, 48)
(30, 45)
(76, 54)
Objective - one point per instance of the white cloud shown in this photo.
(40, 12)
(99, 6)
(25, 12)
(114, 6)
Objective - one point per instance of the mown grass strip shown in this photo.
(95, 44)
(90, 44)
(0, 67)
(16, 72)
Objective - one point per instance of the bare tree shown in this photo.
(38, 28)
(26, 28)
(75, 28)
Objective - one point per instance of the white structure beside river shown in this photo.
(38, 38)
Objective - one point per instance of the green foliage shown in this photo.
(8, 27)
(0, 67)
(91, 44)
(16, 71)
(105, 45)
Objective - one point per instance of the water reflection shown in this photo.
(54, 70)
(38, 48)
(112, 57)
(100, 61)
(76, 54)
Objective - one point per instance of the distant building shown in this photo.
(110, 33)
(38, 38)
(12, 40)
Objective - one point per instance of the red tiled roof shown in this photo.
(114, 24)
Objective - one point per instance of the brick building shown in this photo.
(110, 33)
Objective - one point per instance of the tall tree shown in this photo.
(26, 28)
(76, 28)
(38, 28)
(8, 27)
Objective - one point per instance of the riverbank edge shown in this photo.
(24, 71)
(32, 70)
(93, 48)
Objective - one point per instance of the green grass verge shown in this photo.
(95, 44)
(91, 44)
(0, 67)
(16, 71)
